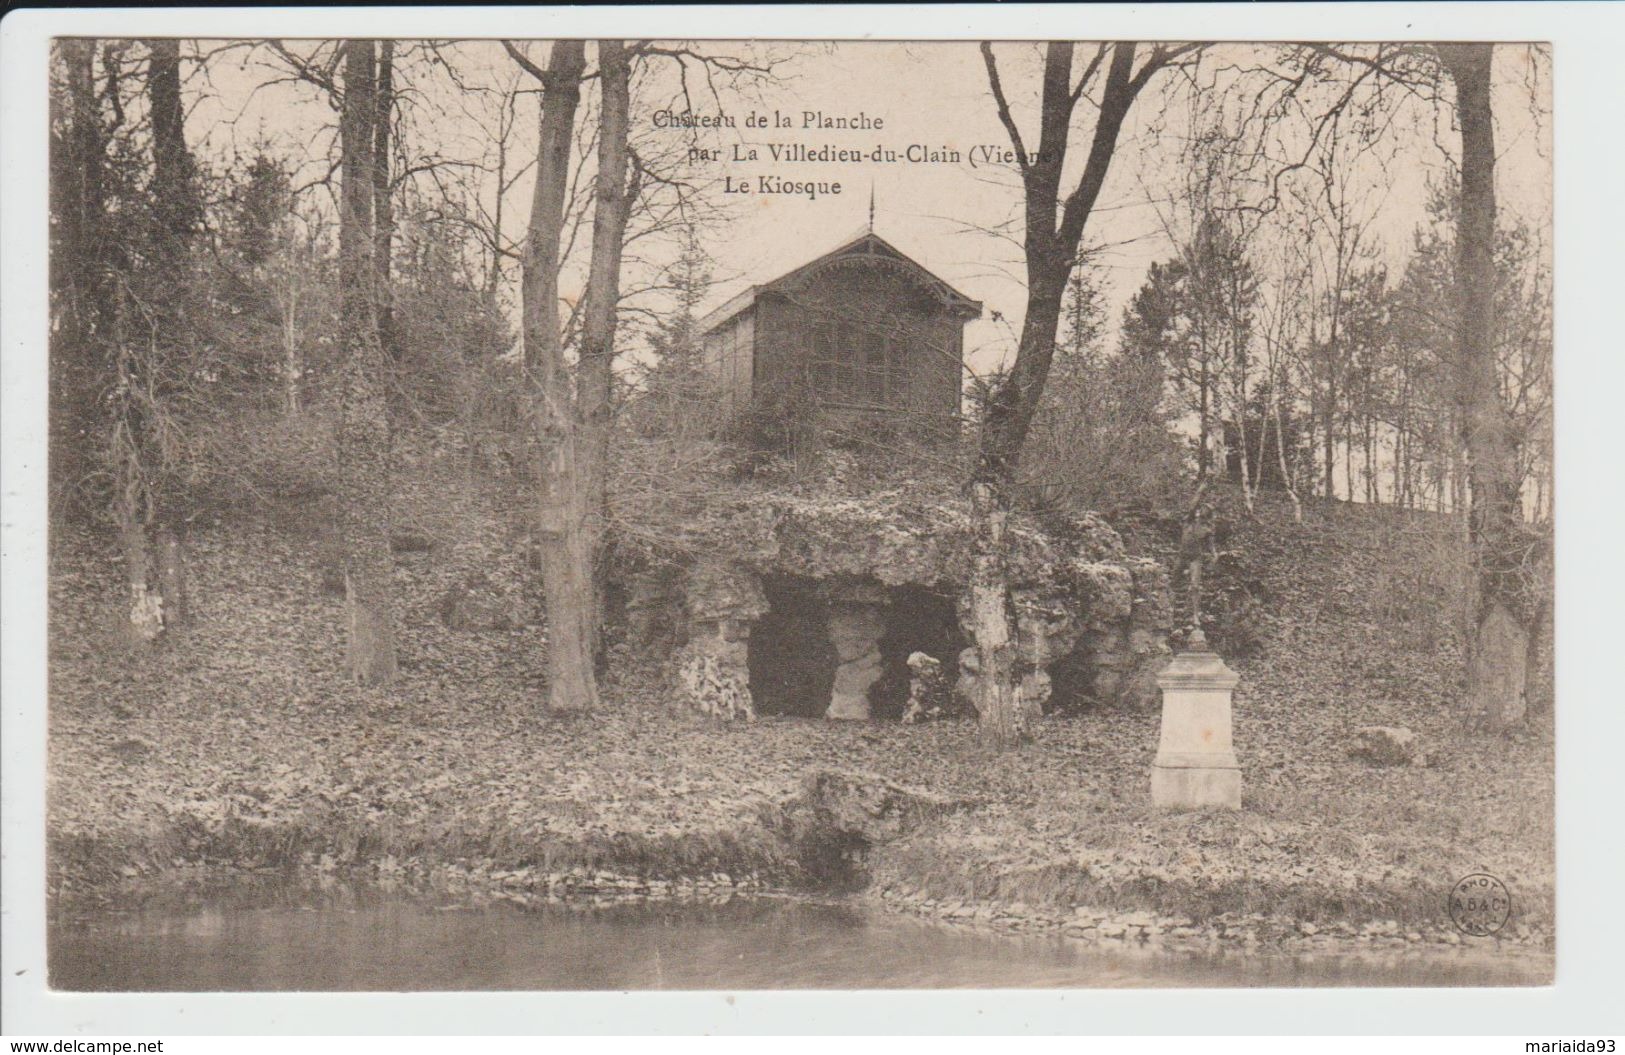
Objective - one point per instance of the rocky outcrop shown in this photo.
(1079, 599)
(714, 667)
(930, 696)
(714, 690)
(654, 599)
(830, 823)
(1126, 641)
(894, 538)
(869, 805)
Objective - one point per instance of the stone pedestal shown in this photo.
(855, 630)
(1196, 763)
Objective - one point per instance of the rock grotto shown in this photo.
(813, 605)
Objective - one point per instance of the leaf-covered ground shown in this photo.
(241, 741)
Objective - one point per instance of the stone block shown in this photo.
(1036, 688)
(1104, 591)
(1196, 788)
(716, 689)
(1196, 765)
(930, 696)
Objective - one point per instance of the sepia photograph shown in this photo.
(594, 514)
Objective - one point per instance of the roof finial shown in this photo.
(871, 206)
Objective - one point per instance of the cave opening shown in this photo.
(918, 619)
(791, 658)
(795, 661)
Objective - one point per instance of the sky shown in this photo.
(950, 208)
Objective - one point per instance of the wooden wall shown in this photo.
(868, 299)
(775, 344)
(730, 358)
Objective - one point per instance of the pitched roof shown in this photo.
(865, 244)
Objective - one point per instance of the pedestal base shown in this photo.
(1195, 788)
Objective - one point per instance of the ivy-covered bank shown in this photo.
(241, 744)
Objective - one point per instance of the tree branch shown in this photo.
(1004, 106)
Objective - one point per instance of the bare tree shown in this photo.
(144, 328)
(177, 210)
(566, 554)
(81, 271)
(364, 434)
(1281, 317)
(135, 412)
(1498, 655)
(1053, 232)
(1500, 547)
(1338, 217)
(383, 196)
(573, 409)
(595, 380)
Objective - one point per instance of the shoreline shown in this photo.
(486, 879)
(1110, 932)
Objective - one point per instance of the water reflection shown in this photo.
(307, 937)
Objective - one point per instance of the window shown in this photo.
(852, 363)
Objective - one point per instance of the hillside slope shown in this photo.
(241, 743)
(1337, 622)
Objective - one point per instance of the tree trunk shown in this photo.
(87, 198)
(1238, 361)
(383, 201)
(155, 583)
(174, 199)
(1498, 654)
(1280, 459)
(1286, 473)
(563, 510)
(1246, 455)
(75, 372)
(1050, 250)
(493, 273)
(1348, 457)
(1368, 440)
(1537, 660)
(146, 602)
(172, 578)
(84, 357)
(364, 440)
(178, 210)
(1463, 497)
(292, 362)
(1005, 718)
(594, 378)
(1402, 453)
(1328, 423)
(132, 494)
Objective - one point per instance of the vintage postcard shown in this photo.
(585, 513)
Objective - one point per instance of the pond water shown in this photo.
(349, 939)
